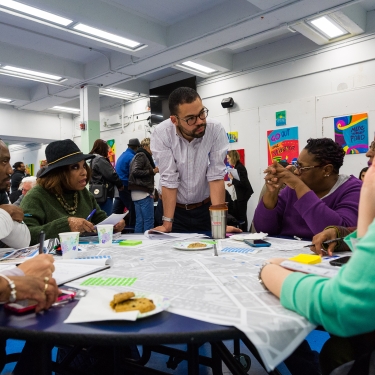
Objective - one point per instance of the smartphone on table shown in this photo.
(27, 305)
(340, 261)
(257, 243)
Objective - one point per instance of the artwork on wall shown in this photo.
(29, 169)
(242, 160)
(282, 145)
(232, 137)
(351, 133)
(280, 118)
(112, 152)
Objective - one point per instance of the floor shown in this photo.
(316, 340)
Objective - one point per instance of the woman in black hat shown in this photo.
(60, 202)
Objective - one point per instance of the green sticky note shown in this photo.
(211, 242)
(130, 243)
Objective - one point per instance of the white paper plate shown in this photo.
(95, 307)
(183, 245)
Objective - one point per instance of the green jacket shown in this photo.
(345, 304)
(48, 215)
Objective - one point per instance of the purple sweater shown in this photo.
(309, 215)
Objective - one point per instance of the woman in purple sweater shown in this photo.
(316, 195)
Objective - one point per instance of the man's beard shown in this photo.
(193, 134)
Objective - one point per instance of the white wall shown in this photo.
(338, 79)
(30, 156)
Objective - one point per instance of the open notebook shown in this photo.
(71, 269)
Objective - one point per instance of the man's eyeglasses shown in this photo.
(300, 169)
(193, 119)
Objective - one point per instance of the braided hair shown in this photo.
(326, 151)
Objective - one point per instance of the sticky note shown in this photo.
(307, 259)
(130, 243)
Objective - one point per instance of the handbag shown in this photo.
(99, 191)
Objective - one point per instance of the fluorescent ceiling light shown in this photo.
(65, 109)
(105, 35)
(31, 73)
(35, 12)
(2, 100)
(328, 27)
(199, 67)
(115, 93)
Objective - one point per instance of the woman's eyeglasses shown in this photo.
(300, 169)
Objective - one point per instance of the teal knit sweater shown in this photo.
(48, 215)
(345, 304)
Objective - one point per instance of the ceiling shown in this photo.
(218, 32)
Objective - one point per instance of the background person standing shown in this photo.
(141, 185)
(122, 167)
(103, 172)
(17, 176)
(242, 188)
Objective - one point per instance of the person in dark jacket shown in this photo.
(242, 188)
(141, 184)
(103, 172)
(17, 176)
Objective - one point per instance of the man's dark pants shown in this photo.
(125, 200)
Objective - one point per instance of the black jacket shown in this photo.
(103, 172)
(141, 173)
(242, 187)
(16, 179)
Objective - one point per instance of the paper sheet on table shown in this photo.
(113, 219)
(94, 307)
(156, 235)
(234, 173)
(249, 236)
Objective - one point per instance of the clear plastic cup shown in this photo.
(69, 244)
(105, 234)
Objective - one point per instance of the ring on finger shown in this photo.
(46, 279)
(45, 287)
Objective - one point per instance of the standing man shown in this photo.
(122, 169)
(17, 176)
(189, 150)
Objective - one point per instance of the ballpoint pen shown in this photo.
(91, 214)
(41, 242)
(327, 242)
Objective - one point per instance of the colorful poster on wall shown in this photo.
(29, 169)
(282, 145)
(351, 132)
(112, 152)
(280, 118)
(232, 137)
(242, 160)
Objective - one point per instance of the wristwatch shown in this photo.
(259, 274)
(164, 218)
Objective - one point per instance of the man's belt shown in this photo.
(192, 205)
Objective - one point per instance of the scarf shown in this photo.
(148, 155)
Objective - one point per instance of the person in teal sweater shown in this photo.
(343, 305)
(60, 202)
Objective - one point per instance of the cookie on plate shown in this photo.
(121, 297)
(196, 244)
(143, 305)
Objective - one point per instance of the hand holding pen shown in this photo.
(91, 214)
(325, 242)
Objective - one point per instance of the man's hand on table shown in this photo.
(15, 212)
(318, 239)
(119, 226)
(165, 228)
(39, 266)
(231, 229)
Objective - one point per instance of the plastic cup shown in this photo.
(218, 215)
(69, 244)
(105, 234)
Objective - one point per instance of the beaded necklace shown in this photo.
(70, 210)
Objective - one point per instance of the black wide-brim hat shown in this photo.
(60, 153)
